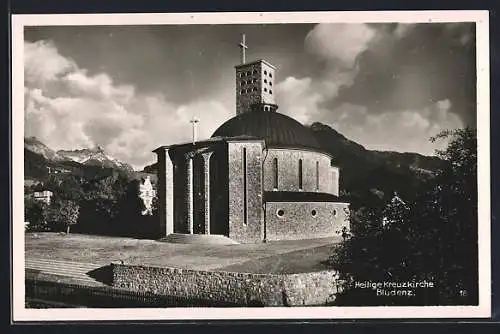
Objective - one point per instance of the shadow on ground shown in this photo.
(102, 274)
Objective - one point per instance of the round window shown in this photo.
(314, 213)
(265, 72)
(265, 89)
(280, 213)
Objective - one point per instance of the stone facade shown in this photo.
(246, 216)
(243, 289)
(326, 181)
(301, 220)
(264, 162)
(254, 85)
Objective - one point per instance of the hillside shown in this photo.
(374, 171)
(365, 171)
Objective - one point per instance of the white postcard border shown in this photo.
(483, 310)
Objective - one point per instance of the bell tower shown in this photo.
(254, 84)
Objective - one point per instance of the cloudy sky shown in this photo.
(131, 89)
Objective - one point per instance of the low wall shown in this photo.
(242, 289)
(305, 220)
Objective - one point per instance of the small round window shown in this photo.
(270, 91)
(265, 81)
(314, 213)
(270, 74)
(265, 72)
(270, 83)
(265, 89)
(280, 213)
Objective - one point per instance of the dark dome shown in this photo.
(276, 129)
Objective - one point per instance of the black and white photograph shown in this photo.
(251, 165)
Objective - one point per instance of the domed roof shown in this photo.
(276, 129)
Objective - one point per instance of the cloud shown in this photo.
(337, 47)
(363, 60)
(404, 130)
(341, 43)
(67, 108)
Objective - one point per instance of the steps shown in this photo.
(199, 239)
(80, 273)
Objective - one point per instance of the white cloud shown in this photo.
(404, 130)
(337, 46)
(339, 42)
(67, 108)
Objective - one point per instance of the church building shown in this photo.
(261, 177)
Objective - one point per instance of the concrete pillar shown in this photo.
(165, 192)
(206, 160)
(169, 194)
(190, 195)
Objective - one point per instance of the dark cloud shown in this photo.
(430, 63)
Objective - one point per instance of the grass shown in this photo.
(276, 257)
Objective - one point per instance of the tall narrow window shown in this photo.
(275, 172)
(244, 162)
(300, 174)
(317, 175)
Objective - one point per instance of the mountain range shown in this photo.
(40, 160)
(362, 171)
(365, 171)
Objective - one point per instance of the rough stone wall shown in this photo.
(251, 229)
(248, 87)
(254, 88)
(288, 171)
(314, 288)
(267, 88)
(298, 221)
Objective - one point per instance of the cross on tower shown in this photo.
(194, 122)
(243, 47)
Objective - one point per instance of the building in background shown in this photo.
(43, 196)
(147, 193)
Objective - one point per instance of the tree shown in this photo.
(431, 237)
(35, 213)
(64, 213)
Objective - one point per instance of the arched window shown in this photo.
(300, 174)
(275, 173)
(317, 175)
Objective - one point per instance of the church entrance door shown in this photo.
(198, 196)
